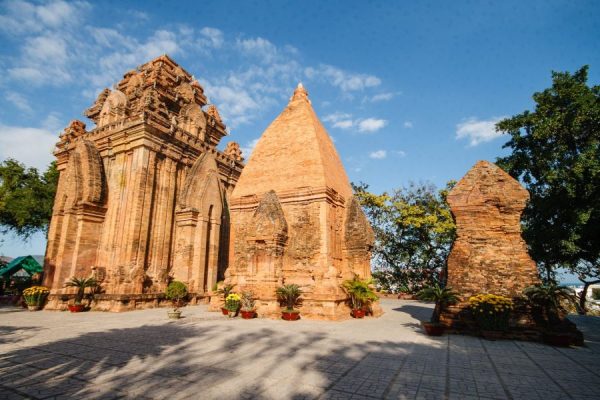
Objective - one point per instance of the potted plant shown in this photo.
(360, 295)
(549, 302)
(289, 295)
(81, 284)
(224, 291)
(491, 312)
(232, 304)
(35, 297)
(442, 296)
(176, 292)
(248, 302)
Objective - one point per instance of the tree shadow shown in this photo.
(200, 360)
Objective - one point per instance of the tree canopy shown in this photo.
(26, 198)
(414, 230)
(556, 154)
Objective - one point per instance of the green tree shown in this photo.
(414, 230)
(556, 154)
(26, 198)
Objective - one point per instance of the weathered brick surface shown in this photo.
(489, 254)
(294, 219)
(140, 197)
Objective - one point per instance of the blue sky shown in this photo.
(409, 91)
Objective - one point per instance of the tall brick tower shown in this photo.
(294, 218)
(142, 195)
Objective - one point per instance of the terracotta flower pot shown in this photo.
(433, 329)
(224, 311)
(248, 314)
(174, 314)
(290, 315)
(33, 308)
(358, 313)
(76, 307)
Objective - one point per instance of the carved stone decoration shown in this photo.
(113, 109)
(94, 111)
(128, 202)
(75, 129)
(185, 92)
(79, 212)
(233, 151)
(358, 238)
(193, 121)
(198, 223)
(213, 112)
(288, 213)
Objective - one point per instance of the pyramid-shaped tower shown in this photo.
(294, 219)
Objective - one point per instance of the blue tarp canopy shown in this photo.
(28, 264)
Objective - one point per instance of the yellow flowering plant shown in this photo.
(232, 302)
(35, 295)
(491, 311)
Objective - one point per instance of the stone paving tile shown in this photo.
(141, 355)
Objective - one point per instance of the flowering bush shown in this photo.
(232, 302)
(35, 295)
(248, 301)
(491, 311)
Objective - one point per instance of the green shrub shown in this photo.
(176, 291)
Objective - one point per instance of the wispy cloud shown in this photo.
(371, 125)
(19, 101)
(478, 131)
(408, 124)
(378, 155)
(346, 81)
(345, 121)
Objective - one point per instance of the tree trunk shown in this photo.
(583, 296)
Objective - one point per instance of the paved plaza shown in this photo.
(142, 355)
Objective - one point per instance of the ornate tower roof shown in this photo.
(294, 152)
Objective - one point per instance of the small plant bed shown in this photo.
(360, 295)
(176, 292)
(549, 304)
(442, 296)
(491, 313)
(81, 284)
(224, 290)
(35, 297)
(232, 304)
(289, 295)
(247, 310)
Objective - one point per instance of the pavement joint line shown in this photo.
(493, 364)
(18, 392)
(576, 362)
(333, 383)
(524, 350)
(397, 374)
(447, 390)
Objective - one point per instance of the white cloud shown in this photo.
(378, 155)
(478, 131)
(258, 47)
(346, 81)
(19, 101)
(23, 17)
(371, 125)
(400, 153)
(344, 121)
(382, 97)
(249, 148)
(16, 142)
(407, 124)
(213, 35)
